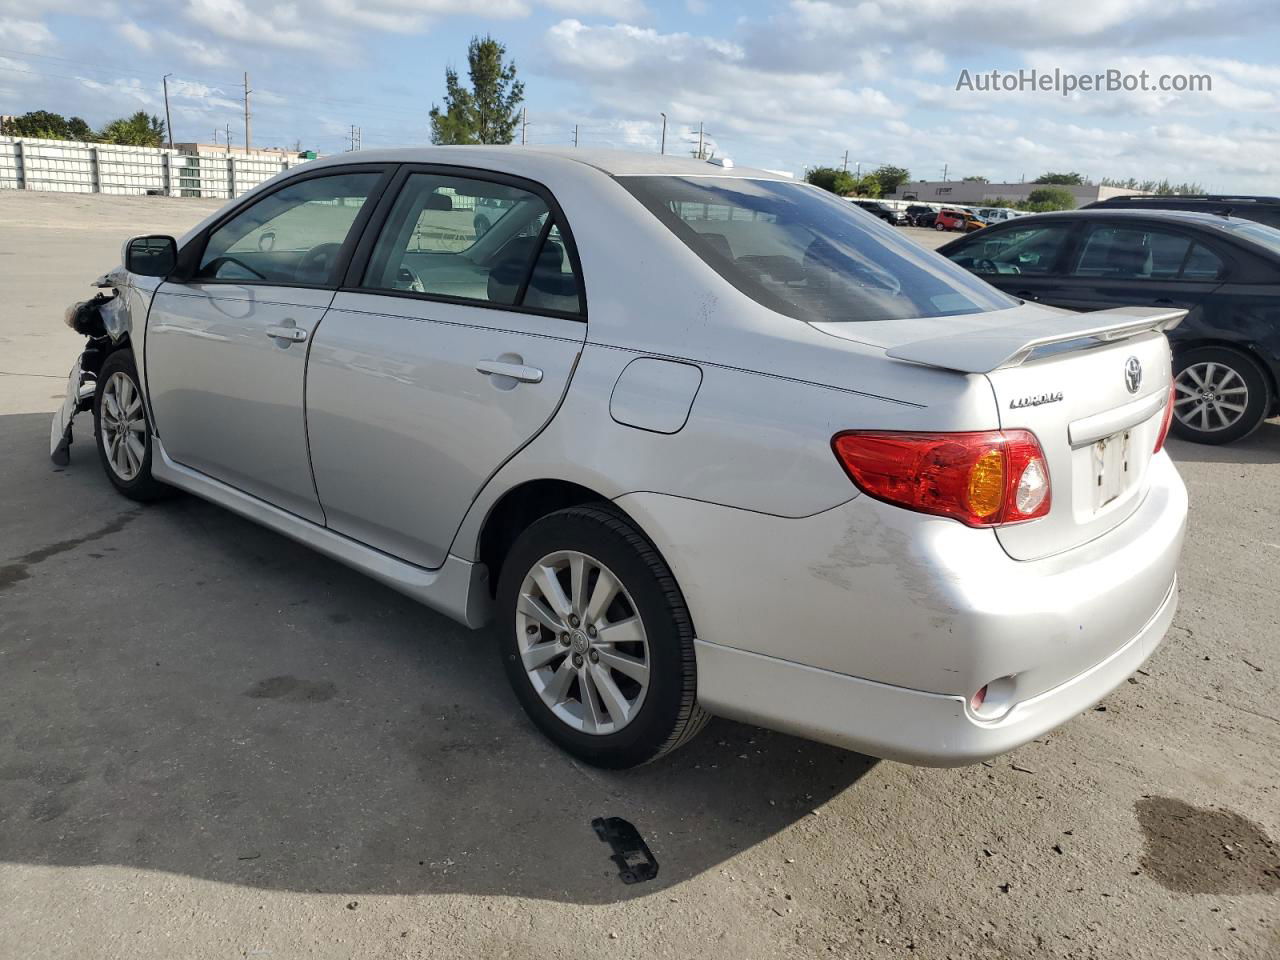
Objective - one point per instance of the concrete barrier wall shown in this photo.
(65, 166)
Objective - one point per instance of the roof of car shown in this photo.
(1132, 213)
(619, 163)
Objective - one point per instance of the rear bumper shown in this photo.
(897, 723)
(871, 627)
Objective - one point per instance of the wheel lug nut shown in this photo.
(564, 639)
(577, 659)
(591, 631)
(573, 620)
(595, 657)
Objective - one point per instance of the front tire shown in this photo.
(123, 431)
(596, 639)
(1220, 395)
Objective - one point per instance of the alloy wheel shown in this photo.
(124, 426)
(582, 643)
(1210, 397)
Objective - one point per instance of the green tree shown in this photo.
(977, 178)
(840, 182)
(890, 178)
(1049, 198)
(140, 130)
(488, 112)
(46, 125)
(1060, 179)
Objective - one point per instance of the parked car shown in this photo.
(1224, 270)
(997, 214)
(882, 210)
(954, 218)
(814, 478)
(1261, 209)
(920, 215)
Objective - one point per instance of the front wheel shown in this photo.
(123, 430)
(939, 226)
(596, 639)
(1220, 395)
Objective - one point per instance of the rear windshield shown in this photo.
(806, 253)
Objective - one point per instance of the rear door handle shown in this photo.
(1163, 302)
(289, 332)
(516, 371)
(1026, 295)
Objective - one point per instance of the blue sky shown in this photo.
(784, 85)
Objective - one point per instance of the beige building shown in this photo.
(975, 193)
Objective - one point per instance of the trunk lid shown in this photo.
(1091, 387)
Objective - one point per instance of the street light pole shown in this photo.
(663, 149)
(168, 121)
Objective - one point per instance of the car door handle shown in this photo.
(1163, 302)
(1026, 295)
(290, 333)
(516, 371)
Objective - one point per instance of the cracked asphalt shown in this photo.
(215, 743)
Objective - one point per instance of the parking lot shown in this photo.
(217, 743)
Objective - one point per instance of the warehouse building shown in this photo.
(977, 193)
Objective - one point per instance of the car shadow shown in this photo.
(182, 690)
(1261, 446)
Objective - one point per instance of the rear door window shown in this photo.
(1131, 253)
(474, 240)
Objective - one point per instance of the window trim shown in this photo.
(190, 255)
(352, 281)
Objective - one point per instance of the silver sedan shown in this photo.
(700, 440)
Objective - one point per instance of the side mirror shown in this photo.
(153, 256)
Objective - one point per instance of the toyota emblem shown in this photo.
(1133, 374)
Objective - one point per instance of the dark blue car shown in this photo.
(1224, 270)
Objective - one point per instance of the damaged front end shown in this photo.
(102, 320)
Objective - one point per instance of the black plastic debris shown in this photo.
(636, 862)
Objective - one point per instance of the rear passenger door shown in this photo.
(448, 348)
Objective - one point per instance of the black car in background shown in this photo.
(1260, 209)
(882, 210)
(1224, 270)
(918, 215)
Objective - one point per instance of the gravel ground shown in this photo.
(214, 743)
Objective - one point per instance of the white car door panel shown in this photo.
(412, 405)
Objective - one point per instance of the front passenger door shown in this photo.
(449, 351)
(227, 347)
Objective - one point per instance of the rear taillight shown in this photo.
(983, 479)
(1167, 419)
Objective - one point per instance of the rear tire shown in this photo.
(122, 430)
(1220, 396)
(612, 699)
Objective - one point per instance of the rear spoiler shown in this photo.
(982, 351)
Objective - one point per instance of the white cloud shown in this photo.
(633, 70)
(612, 9)
(30, 35)
(134, 35)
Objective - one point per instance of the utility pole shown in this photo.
(575, 134)
(858, 169)
(944, 172)
(355, 139)
(524, 126)
(663, 148)
(228, 138)
(845, 168)
(699, 139)
(248, 138)
(168, 121)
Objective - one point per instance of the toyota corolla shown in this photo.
(697, 439)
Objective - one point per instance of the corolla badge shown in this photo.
(1038, 400)
(1133, 374)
